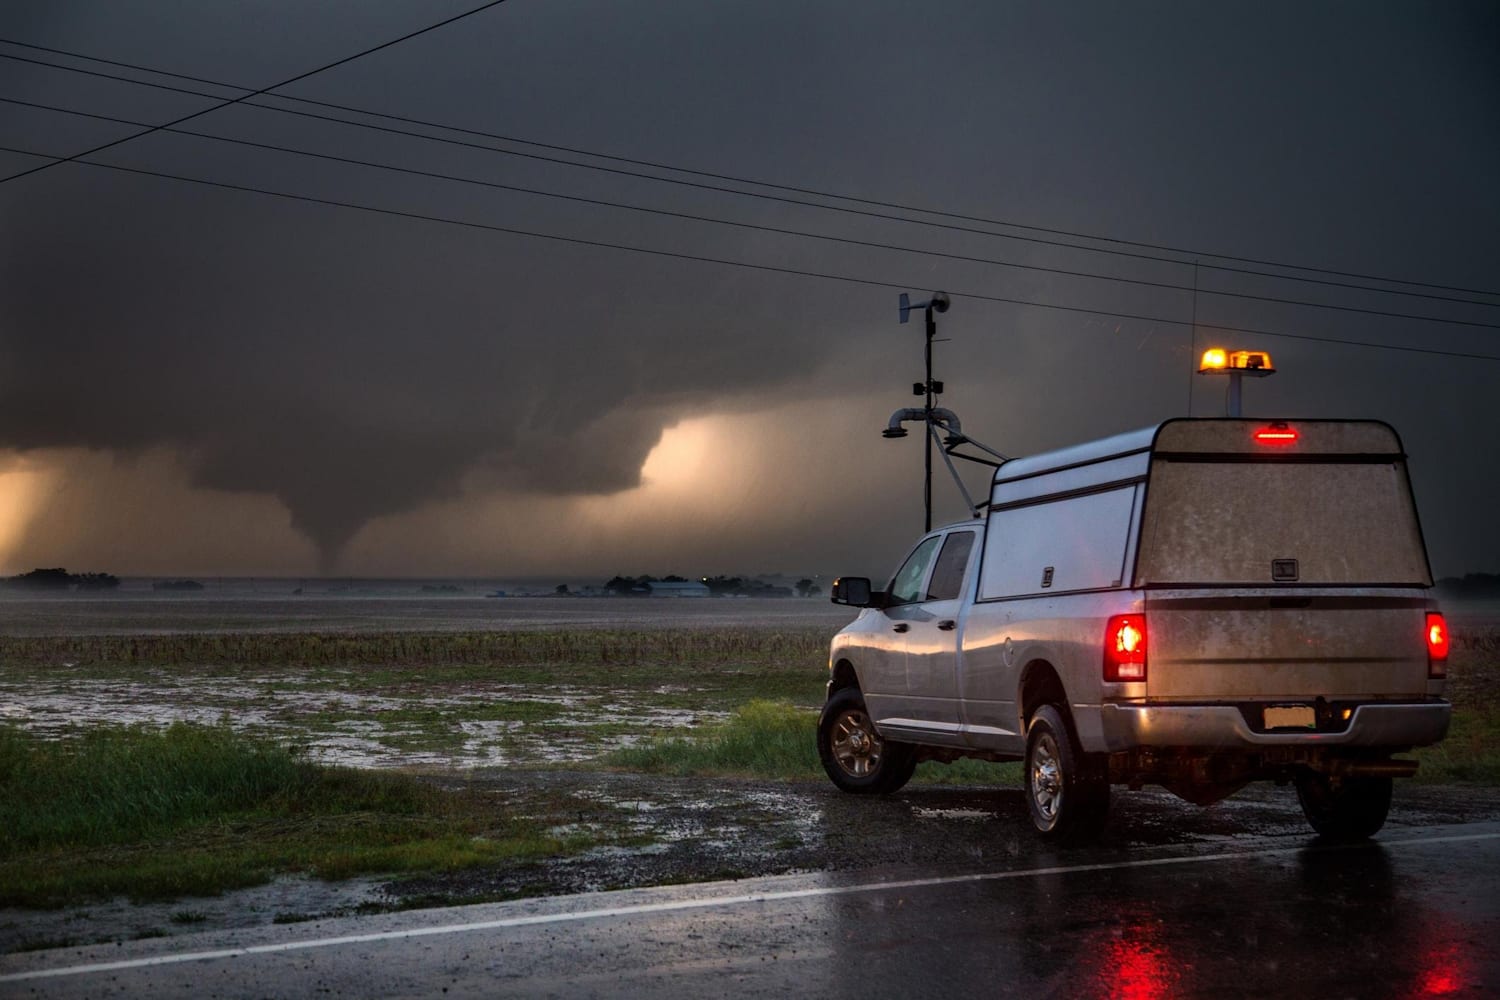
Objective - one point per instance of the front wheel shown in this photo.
(1346, 808)
(1066, 791)
(854, 754)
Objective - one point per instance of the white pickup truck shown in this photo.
(1197, 605)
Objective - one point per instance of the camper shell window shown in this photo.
(1053, 546)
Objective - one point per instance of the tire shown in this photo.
(855, 756)
(1066, 791)
(1349, 809)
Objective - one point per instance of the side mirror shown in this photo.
(852, 590)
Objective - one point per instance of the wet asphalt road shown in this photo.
(1415, 913)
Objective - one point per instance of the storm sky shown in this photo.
(524, 325)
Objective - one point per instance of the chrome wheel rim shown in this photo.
(856, 746)
(1046, 778)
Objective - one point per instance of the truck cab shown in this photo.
(1197, 605)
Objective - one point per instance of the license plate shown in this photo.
(1290, 717)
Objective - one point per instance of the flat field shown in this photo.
(391, 680)
(420, 749)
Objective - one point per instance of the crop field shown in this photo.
(247, 610)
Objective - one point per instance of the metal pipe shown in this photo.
(927, 478)
(953, 471)
(1372, 768)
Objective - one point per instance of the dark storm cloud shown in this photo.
(348, 382)
(356, 365)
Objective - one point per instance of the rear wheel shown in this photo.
(854, 754)
(1066, 791)
(1344, 808)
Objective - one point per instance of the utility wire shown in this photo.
(300, 76)
(767, 184)
(870, 244)
(771, 268)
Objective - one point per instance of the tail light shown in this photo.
(1125, 648)
(1437, 645)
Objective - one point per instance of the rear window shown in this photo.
(948, 575)
(1258, 522)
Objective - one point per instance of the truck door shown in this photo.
(883, 675)
(932, 639)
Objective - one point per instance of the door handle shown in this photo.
(900, 627)
(948, 625)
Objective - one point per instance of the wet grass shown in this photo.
(766, 739)
(1470, 754)
(682, 669)
(762, 739)
(194, 810)
(475, 698)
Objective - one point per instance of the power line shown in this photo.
(757, 227)
(300, 76)
(771, 268)
(768, 184)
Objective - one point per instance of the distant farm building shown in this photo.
(685, 589)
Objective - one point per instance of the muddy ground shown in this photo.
(698, 829)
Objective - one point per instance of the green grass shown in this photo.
(1470, 754)
(763, 739)
(969, 771)
(194, 810)
(775, 740)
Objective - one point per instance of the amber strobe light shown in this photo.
(1125, 648)
(1437, 645)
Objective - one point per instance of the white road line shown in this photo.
(698, 904)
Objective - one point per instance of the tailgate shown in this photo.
(1258, 648)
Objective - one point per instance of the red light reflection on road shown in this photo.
(1137, 966)
(1442, 972)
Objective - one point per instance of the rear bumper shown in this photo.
(1223, 727)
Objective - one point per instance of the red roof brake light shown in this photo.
(1277, 433)
(1437, 646)
(1125, 648)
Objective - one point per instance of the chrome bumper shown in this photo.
(1129, 727)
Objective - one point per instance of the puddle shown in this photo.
(921, 812)
(360, 729)
(285, 900)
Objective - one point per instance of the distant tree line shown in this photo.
(176, 585)
(718, 586)
(58, 578)
(624, 586)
